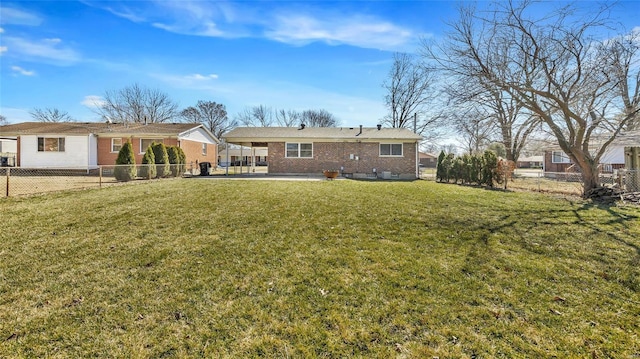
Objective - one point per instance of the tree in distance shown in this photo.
(137, 104)
(50, 115)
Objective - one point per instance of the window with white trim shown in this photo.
(391, 149)
(559, 157)
(204, 149)
(116, 144)
(50, 144)
(299, 150)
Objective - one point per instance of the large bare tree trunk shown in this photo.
(551, 65)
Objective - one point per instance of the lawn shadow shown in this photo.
(617, 218)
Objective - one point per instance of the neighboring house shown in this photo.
(8, 151)
(428, 160)
(91, 144)
(248, 156)
(530, 162)
(618, 153)
(630, 142)
(355, 151)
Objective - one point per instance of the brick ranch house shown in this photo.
(92, 144)
(356, 152)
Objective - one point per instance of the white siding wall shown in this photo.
(9, 146)
(76, 153)
(614, 155)
(198, 135)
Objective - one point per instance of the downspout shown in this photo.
(417, 161)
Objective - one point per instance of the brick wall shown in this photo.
(333, 155)
(193, 150)
(554, 167)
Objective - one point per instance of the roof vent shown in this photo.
(379, 127)
(302, 126)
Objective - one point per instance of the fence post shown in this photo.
(100, 172)
(8, 175)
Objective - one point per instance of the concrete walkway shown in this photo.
(267, 177)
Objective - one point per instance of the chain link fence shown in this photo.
(19, 181)
(622, 181)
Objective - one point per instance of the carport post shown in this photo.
(226, 149)
(241, 158)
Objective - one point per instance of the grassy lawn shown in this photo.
(217, 268)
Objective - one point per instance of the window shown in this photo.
(204, 149)
(146, 142)
(50, 144)
(116, 144)
(559, 157)
(299, 150)
(391, 149)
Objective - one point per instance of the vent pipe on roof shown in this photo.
(302, 126)
(359, 133)
(379, 127)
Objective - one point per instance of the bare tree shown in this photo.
(255, 116)
(213, 115)
(548, 64)
(318, 118)
(288, 118)
(50, 115)
(503, 118)
(623, 65)
(138, 104)
(3, 120)
(473, 127)
(410, 87)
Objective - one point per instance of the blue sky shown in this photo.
(331, 55)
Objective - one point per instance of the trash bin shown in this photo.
(204, 168)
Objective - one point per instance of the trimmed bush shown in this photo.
(440, 170)
(125, 164)
(174, 160)
(182, 161)
(489, 168)
(163, 168)
(149, 170)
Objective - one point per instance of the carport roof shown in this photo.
(277, 134)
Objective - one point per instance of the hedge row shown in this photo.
(169, 162)
(480, 169)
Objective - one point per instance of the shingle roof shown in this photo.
(265, 134)
(99, 128)
(629, 138)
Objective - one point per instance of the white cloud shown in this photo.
(361, 31)
(47, 49)
(3, 49)
(18, 17)
(22, 71)
(193, 81)
(1, 30)
(199, 77)
(300, 26)
(93, 101)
